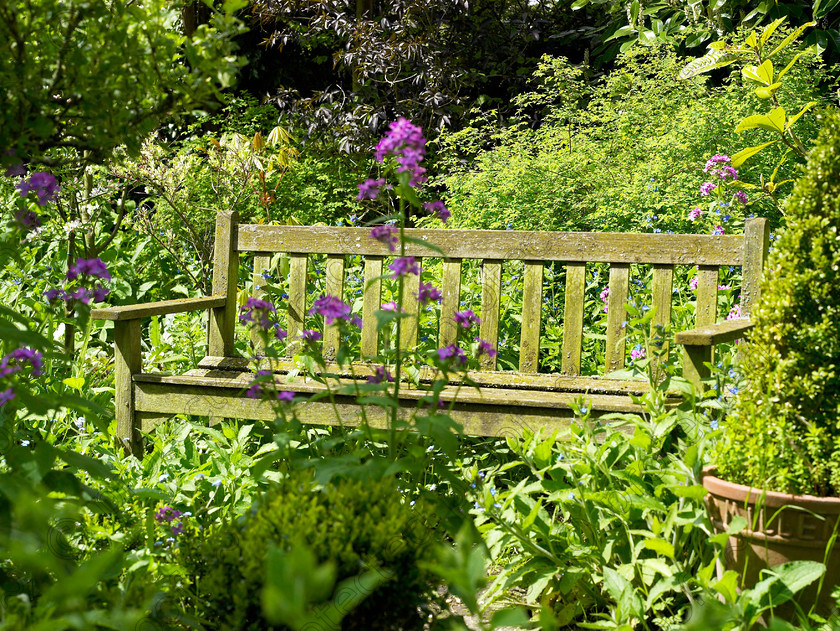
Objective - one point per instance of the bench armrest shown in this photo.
(698, 346)
(717, 333)
(146, 309)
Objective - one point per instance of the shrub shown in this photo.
(785, 430)
(358, 525)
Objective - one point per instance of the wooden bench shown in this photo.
(505, 401)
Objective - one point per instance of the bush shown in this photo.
(358, 525)
(785, 430)
(624, 155)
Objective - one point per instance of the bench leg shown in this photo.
(695, 370)
(127, 362)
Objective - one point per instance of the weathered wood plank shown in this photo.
(573, 319)
(162, 307)
(662, 287)
(529, 339)
(617, 317)
(296, 314)
(127, 362)
(451, 290)
(666, 249)
(372, 303)
(225, 278)
(261, 263)
(707, 294)
(510, 380)
(410, 306)
(756, 245)
(491, 289)
(334, 287)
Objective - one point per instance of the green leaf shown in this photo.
(727, 586)
(511, 617)
(751, 41)
(660, 546)
(710, 61)
(77, 383)
(796, 117)
(790, 65)
(787, 40)
(695, 491)
(775, 121)
(767, 92)
(793, 577)
(760, 74)
(742, 156)
(532, 516)
(765, 35)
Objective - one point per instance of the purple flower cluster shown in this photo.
(485, 348)
(694, 213)
(310, 336)
(43, 184)
(605, 297)
(27, 219)
(452, 353)
(438, 210)
(167, 515)
(333, 309)
(740, 196)
(405, 142)
(18, 358)
(380, 375)
(638, 353)
(387, 234)
(718, 230)
(255, 391)
(735, 313)
(263, 314)
(369, 189)
(404, 265)
(719, 165)
(466, 319)
(428, 293)
(83, 271)
(707, 188)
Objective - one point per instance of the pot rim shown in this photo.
(748, 494)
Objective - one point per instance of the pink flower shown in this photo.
(694, 213)
(692, 284)
(404, 265)
(735, 313)
(718, 230)
(706, 188)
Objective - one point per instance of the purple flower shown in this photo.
(692, 284)
(706, 188)
(638, 352)
(453, 352)
(387, 234)
(167, 514)
(14, 362)
(379, 375)
(485, 348)
(258, 311)
(331, 308)
(16, 170)
(723, 172)
(27, 219)
(369, 189)
(53, 294)
(741, 196)
(404, 265)
(404, 141)
(286, 396)
(718, 230)
(99, 293)
(310, 336)
(88, 267)
(255, 391)
(43, 184)
(694, 213)
(437, 209)
(177, 529)
(735, 313)
(280, 334)
(713, 162)
(466, 318)
(428, 293)
(6, 396)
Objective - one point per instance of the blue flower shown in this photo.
(714, 425)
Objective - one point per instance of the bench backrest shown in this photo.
(574, 249)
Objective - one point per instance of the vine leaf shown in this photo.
(713, 59)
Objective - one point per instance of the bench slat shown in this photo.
(225, 277)
(573, 319)
(334, 287)
(662, 288)
(261, 263)
(297, 300)
(491, 287)
(756, 246)
(707, 293)
(408, 326)
(529, 342)
(668, 249)
(448, 330)
(372, 303)
(617, 316)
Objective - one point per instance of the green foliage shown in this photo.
(785, 432)
(608, 157)
(359, 526)
(94, 74)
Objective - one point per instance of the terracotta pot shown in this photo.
(780, 528)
